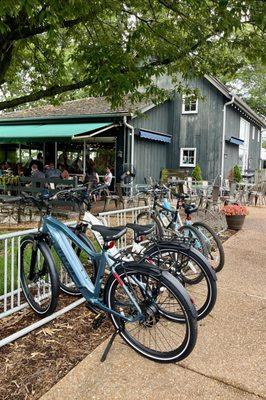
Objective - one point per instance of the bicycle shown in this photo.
(168, 220)
(184, 262)
(138, 297)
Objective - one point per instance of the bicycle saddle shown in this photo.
(109, 234)
(140, 230)
(190, 208)
(181, 196)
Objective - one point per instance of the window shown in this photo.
(258, 136)
(244, 148)
(187, 157)
(189, 105)
(253, 133)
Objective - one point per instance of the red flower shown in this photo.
(234, 209)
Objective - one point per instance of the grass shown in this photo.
(58, 263)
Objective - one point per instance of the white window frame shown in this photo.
(253, 133)
(184, 111)
(258, 136)
(182, 154)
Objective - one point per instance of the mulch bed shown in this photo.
(30, 366)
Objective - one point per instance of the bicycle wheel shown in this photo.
(158, 336)
(66, 283)
(192, 270)
(213, 244)
(193, 233)
(39, 279)
(147, 217)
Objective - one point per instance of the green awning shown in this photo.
(32, 133)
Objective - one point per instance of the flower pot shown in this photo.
(235, 222)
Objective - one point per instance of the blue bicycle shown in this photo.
(149, 308)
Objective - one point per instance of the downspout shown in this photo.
(223, 140)
(132, 144)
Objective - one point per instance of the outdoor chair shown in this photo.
(257, 194)
(116, 197)
(231, 197)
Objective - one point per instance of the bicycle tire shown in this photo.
(72, 290)
(48, 266)
(151, 321)
(148, 217)
(204, 302)
(218, 242)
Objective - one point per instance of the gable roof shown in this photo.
(88, 106)
(242, 105)
(99, 106)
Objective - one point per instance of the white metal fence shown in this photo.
(11, 297)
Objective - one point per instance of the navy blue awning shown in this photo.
(158, 136)
(235, 140)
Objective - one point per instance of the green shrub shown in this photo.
(164, 175)
(237, 173)
(196, 173)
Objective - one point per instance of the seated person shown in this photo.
(91, 178)
(51, 171)
(108, 177)
(35, 173)
(63, 171)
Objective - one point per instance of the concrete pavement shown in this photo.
(229, 361)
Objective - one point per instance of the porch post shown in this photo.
(55, 154)
(19, 147)
(84, 157)
(43, 151)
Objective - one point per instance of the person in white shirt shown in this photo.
(108, 176)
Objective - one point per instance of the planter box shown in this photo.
(235, 222)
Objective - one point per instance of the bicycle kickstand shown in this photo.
(109, 345)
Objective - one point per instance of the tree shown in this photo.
(114, 48)
(237, 173)
(196, 173)
(249, 82)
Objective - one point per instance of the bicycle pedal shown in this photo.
(90, 307)
(98, 320)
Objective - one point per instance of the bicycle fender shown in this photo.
(133, 266)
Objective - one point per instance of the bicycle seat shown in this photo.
(140, 230)
(190, 208)
(109, 234)
(180, 196)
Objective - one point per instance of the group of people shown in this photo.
(37, 169)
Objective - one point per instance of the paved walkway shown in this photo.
(229, 359)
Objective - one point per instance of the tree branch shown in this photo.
(51, 91)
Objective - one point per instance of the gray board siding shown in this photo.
(254, 149)
(202, 130)
(233, 118)
(231, 151)
(151, 156)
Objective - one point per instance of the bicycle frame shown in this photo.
(60, 233)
